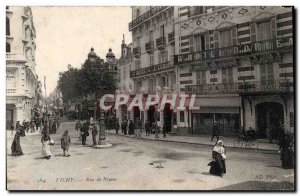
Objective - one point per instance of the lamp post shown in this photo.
(102, 139)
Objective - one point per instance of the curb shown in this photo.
(199, 144)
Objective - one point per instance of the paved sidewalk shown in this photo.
(260, 144)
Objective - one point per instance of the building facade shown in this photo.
(239, 62)
(21, 79)
(154, 72)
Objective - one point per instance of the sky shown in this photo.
(65, 35)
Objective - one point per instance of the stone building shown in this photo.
(21, 79)
(153, 50)
(239, 62)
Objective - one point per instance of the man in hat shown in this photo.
(94, 130)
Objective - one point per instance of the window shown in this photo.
(7, 7)
(163, 57)
(151, 59)
(7, 26)
(162, 31)
(227, 76)
(199, 43)
(181, 116)
(137, 13)
(264, 31)
(150, 36)
(201, 77)
(8, 47)
(266, 72)
(225, 38)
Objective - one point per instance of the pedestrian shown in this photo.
(124, 127)
(77, 128)
(65, 142)
(31, 126)
(16, 149)
(147, 128)
(218, 166)
(138, 128)
(131, 128)
(93, 129)
(215, 131)
(54, 129)
(287, 152)
(117, 126)
(84, 132)
(164, 130)
(46, 141)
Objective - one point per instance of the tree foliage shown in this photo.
(91, 77)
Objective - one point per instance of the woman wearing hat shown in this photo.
(16, 149)
(218, 166)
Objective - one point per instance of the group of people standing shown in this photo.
(83, 129)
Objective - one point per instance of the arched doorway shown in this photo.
(268, 117)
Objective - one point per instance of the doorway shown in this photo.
(268, 116)
(168, 114)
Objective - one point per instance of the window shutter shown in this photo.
(234, 36)
(273, 28)
(270, 71)
(253, 32)
(216, 39)
(224, 76)
(263, 72)
(206, 37)
(203, 77)
(191, 44)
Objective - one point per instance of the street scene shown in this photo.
(150, 98)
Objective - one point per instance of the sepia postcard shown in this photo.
(150, 98)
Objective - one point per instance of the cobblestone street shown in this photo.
(139, 164)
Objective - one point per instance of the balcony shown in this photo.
(11, 92)
(268, 86)
(255, 48)
(15, 57)
(171, 38)
(137, 52)
(149, 47)
(161, 43)
(152, 69)
(147, 15)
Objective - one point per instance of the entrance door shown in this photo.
(168, 113)
(268, 116)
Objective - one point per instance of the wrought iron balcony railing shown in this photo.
(152, 69)
(147, 15)
(137, 51)
(274, 45)
(267, 86)
(149, 47)
(161, 43)
(171, 37)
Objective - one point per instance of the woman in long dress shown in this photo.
(218, 166)
(16, 149)
(287, 152)
(65, 143)
(46, 153)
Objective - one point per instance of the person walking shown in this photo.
(131, 128)
(117, 126)
(45, 140)
(78, 128)
(16, 149)
(84, 133)
(218, 166)
(93, 129)
(215, 131)
(138, 128)
(147, 128)
(65, 142)
(124, 127)
(287, 152)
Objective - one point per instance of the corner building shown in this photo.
(239, 62)
(21, 79)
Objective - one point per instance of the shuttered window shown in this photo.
(266, 72)
(201, 77)
(264, 31)
(216, 39)
(253, 32)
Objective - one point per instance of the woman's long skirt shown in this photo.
(46, 150)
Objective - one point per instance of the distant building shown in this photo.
(21, 79)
